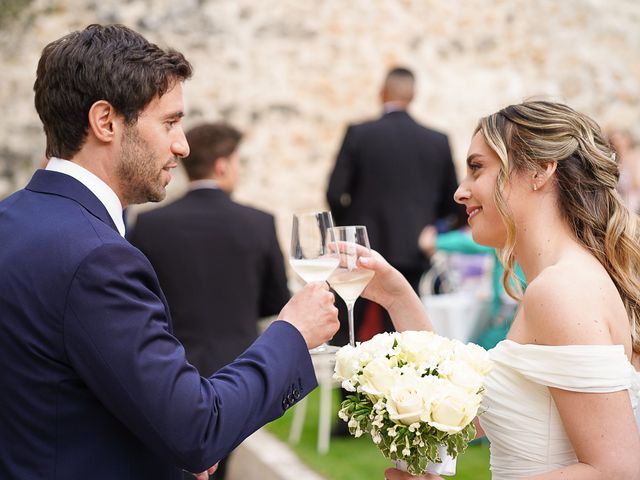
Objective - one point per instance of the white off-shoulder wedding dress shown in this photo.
(520, 418)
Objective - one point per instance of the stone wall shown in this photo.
(293, 73)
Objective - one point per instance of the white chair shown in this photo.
(323, 366)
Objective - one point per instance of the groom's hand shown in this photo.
(313, 313)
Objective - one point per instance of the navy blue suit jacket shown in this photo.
(93, 384)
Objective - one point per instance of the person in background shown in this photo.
(218, 262)
(628, 157)
(94, 384)
(502, 307)
(396, 177)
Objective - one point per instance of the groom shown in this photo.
(93, 383)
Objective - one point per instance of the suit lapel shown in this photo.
(56, 183)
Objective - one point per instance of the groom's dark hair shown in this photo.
(111, 63)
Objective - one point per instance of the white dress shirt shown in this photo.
(100, 189)
(205, 183)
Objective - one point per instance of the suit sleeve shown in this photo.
(275, 292)
(117, 338)
(341, 179)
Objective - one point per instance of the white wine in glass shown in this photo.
(349, 280)
(314, 253)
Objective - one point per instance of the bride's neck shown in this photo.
(542, 239)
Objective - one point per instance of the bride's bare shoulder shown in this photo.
(571, 303)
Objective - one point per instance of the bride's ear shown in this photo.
(541, 176)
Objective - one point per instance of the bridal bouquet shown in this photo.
(415, 393)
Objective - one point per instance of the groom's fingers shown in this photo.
(313, 313)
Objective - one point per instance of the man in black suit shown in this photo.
(218, 262)
(396, 177)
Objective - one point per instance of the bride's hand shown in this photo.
(387, 285)
(391, 290)
(394, 474)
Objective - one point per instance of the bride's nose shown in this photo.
(462, 194)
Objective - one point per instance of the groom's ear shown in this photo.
(102, 121)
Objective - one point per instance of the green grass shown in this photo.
(358, 458)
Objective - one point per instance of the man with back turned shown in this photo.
(218, 262)
(396, 177)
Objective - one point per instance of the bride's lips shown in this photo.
(472, 212)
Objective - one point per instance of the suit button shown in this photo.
(296, 393)
(285, 404)
(291, 398)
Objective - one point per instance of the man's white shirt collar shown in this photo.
(205, 183)
(390, 107)
(99, 188)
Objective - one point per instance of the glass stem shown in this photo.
(352, 335)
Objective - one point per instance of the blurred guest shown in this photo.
(628, 158)
(395, 177)
(218, 262)
(502, 308)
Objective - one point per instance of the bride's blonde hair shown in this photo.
(529, 135)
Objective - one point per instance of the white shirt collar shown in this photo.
(205, 183)
(390, 107)
(99, 188)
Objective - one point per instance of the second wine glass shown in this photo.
(349, 280)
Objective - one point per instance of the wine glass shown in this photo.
(348, 279)
(314, 253)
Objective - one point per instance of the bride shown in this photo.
(541, 187)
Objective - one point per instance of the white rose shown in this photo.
(454, 409)
(378, 377)
(349, 386)
(464, 375)
(405, 405)
(410, 399)
(422, 347)
(379, 346)
(445, 368)
(474, 355)
(347, 364)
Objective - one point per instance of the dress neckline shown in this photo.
(535, 345)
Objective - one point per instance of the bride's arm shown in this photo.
(394, 293)
(602, 433)
(600, 426)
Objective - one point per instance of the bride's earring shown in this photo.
(535, 187)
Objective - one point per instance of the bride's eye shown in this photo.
(474, 167)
